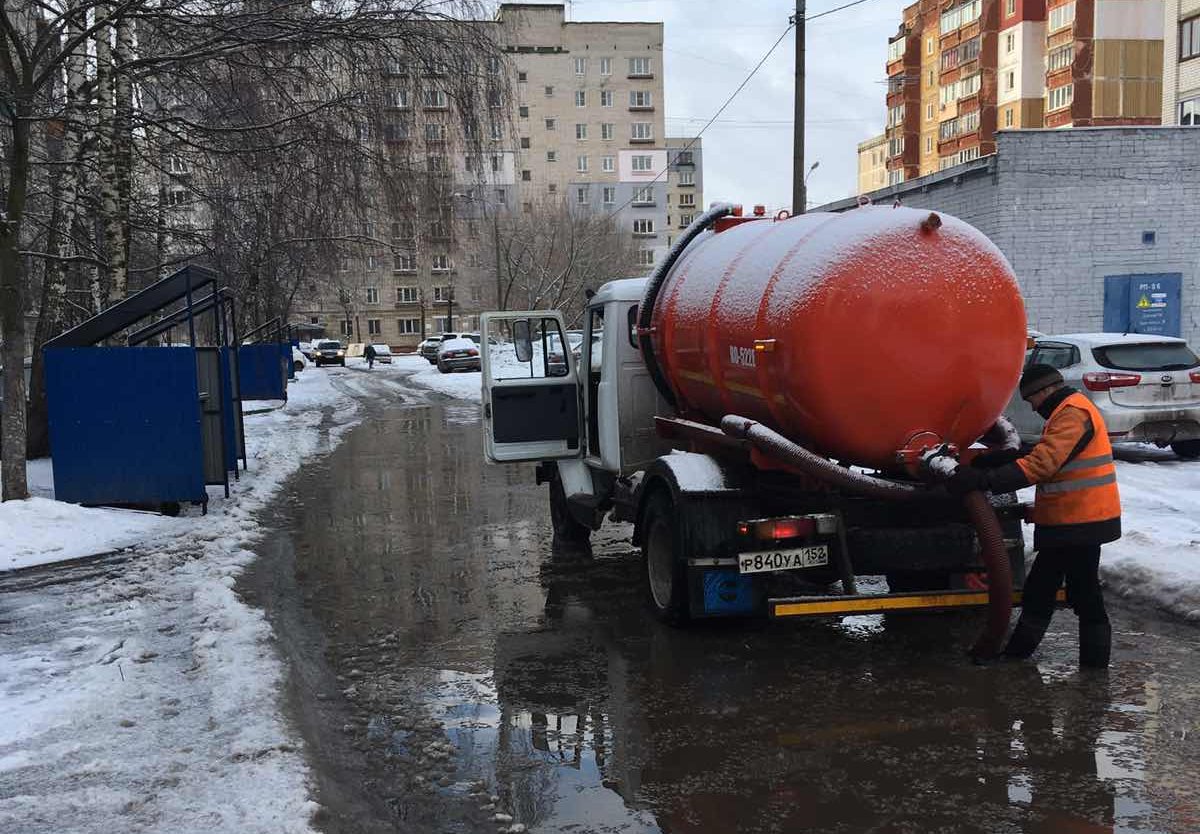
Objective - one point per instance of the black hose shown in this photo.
(657, 277)
(979, 510)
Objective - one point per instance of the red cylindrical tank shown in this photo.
(850, 333)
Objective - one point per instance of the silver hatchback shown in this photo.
(1147, 387)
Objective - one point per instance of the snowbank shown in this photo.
(462, 385)
(143, 694)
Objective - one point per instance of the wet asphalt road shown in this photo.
(447, 666)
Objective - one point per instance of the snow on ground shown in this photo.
(462, 385)
(140, 692)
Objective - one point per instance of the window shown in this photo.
(581, 164)
(608, 164)
(1008, 117)
(685, 220)
(609, 195)
(929, 46)
(895, 116)
(526, 176)
(895, 177)
(1010, 42)
(550, 124)
(687, 177)
(1010, 9)
(960, 16)
(176, 197)
(363, 131)
(581, 133)
(523, 112)
(522, 77)
(929, 112)
(472, 229)
(642, 163)
(931, 78)
(641, 132)
(343, 264)
(1010, 80)
(435, 133)
(314, 320)
(395, 131)
(970, 122)
(606, 130)
(639, 68)
(404, 262)
(969, 86)
(372, 295)
(496, 164)
(473, 259)
(1061, 16)
(408, 327)
(606, 98)
(1060, 97)
(580, 98)
(436, 163)
(643, 195)
(1060, 58)
(177, 165)
(640, 100)
(476, 292)
(441, 324)
(497, 132)
(374, 327)
(402, 230)
(896, 49)
(1189, 39)
(525, 143)
(606, 66)
(643, 228)
(433, 98)
(928, 144)
(687, 200)
(581, 66)
(684, 158)
(581, 195)
(646, 257)
(443, 294)
(552, 156)
(501, 196)
(549, 91)
(346, 329)
(440, 263)
(1189, 112)
(406, 295)
(494, 65)
(896, 146)
(372, 262)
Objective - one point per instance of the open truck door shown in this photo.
(530, 388)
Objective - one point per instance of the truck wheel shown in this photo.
(1186, 449)
(666, 574)
(567, 531)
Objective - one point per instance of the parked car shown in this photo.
(458, 354)
(330, 353)
(383, 354)
(429, 347)
(298, 361)
(1147, 387)
(556, 363)
(309, 350)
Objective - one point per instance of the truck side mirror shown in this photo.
(522, 341)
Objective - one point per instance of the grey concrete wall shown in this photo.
(1068, 207)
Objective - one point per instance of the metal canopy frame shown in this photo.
(223, 298)
(181, 285)
(268, 330)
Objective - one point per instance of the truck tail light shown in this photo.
(1102, 380)
(773, 529)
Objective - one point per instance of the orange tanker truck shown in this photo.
(771, 407)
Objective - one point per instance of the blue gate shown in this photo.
(262, 371)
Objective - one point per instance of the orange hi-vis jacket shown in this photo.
(1077, 502)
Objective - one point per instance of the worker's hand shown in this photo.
(996, 459)
(966, 479)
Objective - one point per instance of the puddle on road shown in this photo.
(468, 662)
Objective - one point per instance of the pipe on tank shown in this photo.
(657, 277)
(979, 510)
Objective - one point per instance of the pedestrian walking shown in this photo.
(1077, 508)
(370, 354)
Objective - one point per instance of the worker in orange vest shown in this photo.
(1076, 510)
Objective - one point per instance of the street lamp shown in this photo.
(811, 168)
(471, 198)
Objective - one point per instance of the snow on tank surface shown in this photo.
(696, 473)
(879, 327)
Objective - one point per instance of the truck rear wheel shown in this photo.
(567, 531)
(1186, 449)
(666, 573)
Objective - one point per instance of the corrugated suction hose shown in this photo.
(979, 509)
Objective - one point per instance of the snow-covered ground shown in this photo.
(143, 694)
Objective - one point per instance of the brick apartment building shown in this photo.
(1181, 63)
(959, 72)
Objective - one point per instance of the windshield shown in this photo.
(1151, 356)
(382, 348)
(329, 346)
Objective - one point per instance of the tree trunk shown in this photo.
(109, 192)
(13, 304)
(123, 148)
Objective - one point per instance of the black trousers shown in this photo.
(1080, 568)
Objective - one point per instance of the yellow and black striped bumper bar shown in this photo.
(834, 606)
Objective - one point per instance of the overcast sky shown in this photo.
(709, 48)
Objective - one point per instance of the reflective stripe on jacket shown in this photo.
(1077, 501)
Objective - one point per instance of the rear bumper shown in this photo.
(847, 606)
(1158, 427)
(470, 363)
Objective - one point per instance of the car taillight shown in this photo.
(1194, 376)
(1102, 380)
(772, 529)
(472, 352)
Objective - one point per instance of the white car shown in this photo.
(383, 354)
(458, 355)
(298, 361)
(1147, 387)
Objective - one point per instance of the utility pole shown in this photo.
(799, 195)
(499, 279)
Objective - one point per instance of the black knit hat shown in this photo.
(1037, 377)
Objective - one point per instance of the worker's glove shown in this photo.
(966, 479)
(996, 459)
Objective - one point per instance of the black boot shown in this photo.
(1095, 644)
(1025, 637)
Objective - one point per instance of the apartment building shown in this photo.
(1181, 62)
(872, 164)
(959, 72)
(685, 183)
(585, 132)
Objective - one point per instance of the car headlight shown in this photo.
(341, 353)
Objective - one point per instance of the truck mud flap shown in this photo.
(844, 606)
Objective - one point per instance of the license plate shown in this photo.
(799, 557)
